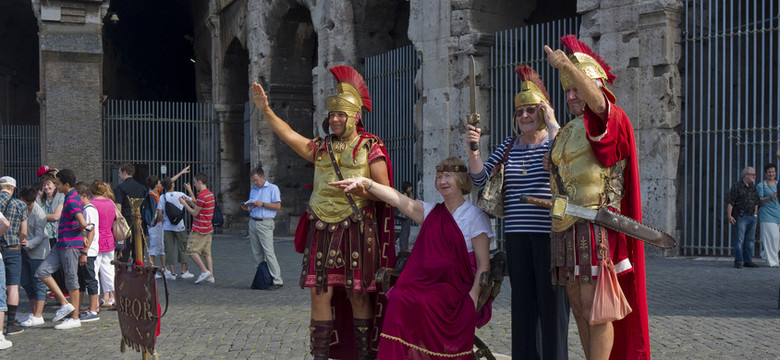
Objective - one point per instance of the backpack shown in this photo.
(262, 278)
(217, 220)
(149, 211)
(175, 215)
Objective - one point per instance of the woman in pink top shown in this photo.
(103, 199)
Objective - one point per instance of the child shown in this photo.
(87, 279)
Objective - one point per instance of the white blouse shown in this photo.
(471, 220)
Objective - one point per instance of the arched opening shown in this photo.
(290, 93)
(148, 53)
(18, 64)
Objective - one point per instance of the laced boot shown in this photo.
(320, 338)
(362, 329)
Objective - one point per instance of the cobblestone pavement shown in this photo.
(699, 309)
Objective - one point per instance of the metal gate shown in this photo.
(161, 138)
(21, 153)
(390, 77)
(730, 110)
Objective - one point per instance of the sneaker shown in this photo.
(202, 276)
(89, 316)
(275, 287)
(13, 329)
(187, 275)
(62, 312)
(69, 323)
(158, 276)
(169, 275)
(4, 344)
(32, 321)
(20, 318)
(210, 280)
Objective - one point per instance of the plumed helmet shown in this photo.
(532, 90)
(352, 97)
(592, 65)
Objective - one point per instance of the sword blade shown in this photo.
(472, 86)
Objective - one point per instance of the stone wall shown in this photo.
(71, 55)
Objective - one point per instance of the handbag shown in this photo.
(609, 302)
(120, 228)
(491, 197)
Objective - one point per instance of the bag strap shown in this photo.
(506, 155)
(336, 167)
(167, 295)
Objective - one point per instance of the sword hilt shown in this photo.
(536, 201)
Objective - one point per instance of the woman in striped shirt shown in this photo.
(527, 227)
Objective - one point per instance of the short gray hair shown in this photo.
(745, 171)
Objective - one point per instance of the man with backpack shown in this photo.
(128, 188)
(170, 212)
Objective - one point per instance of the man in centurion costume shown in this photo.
(594, 164)
(345, 238)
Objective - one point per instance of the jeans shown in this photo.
(743, 238)
(3, 295)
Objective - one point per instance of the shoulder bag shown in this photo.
(491, 197)
(120, 228)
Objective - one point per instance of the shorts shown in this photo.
(199, 244)
(156, 245)
(176, 243)
(35, 289)
(68, 260)
(87, 279)
(13, 266)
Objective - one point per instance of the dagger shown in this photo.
(560, 206)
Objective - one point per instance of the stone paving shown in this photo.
(699, 309)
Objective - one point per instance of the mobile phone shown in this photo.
(89, 227)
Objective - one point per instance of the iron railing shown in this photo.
(21, 153)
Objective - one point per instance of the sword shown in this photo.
(560, 206)
(472, 118)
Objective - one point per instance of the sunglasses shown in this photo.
(530, 111)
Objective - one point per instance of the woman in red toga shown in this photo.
(431, 310)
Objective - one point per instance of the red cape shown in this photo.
(632, 336)
(385, 219)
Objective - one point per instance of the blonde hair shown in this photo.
(462, 179)
(99, 188)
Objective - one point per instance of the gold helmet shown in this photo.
(351, 98)
(592, 65)
(532, 92)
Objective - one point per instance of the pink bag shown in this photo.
(609, 302)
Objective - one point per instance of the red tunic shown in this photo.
(612, 141)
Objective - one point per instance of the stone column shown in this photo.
(71, 84)
(231, 158)
(640, 40)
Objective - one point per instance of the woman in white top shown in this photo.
(431, 310)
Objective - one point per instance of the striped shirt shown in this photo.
(202, 222)
(521, 217)
(68, 234)
(15, 211)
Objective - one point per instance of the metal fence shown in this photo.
(730, 110)
(21, 153)
(390, 77)
(524, 46)
(161, 138)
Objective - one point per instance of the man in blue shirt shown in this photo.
(264, 201)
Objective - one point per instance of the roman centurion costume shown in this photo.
(345, 238)
(594, 164)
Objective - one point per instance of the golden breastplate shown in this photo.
(584, 179)
(330, 203)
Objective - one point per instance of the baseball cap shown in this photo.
(42, 170)
(7, 180)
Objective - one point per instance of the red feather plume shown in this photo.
(526, 73)
(576, 46)
(344, 73)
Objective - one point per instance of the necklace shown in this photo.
(522, 158)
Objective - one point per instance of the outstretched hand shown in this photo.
(259, 97)
(352, 184)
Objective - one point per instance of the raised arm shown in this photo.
(296, 141)
(186, 170)
(411, 208)
(587, 88)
